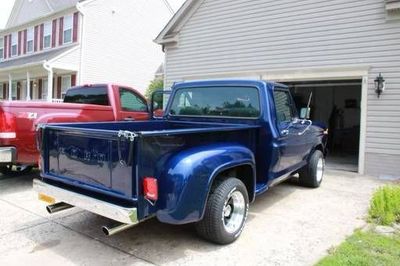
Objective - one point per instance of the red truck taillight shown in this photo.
(150, 188)
(7, 126)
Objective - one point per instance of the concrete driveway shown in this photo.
(288, 225)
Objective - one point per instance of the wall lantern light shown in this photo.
(380, 84)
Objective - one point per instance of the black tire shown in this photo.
(9, 170)
(309, 175)
(213, 226)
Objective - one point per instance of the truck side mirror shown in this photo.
(158, 102)
(305, 113)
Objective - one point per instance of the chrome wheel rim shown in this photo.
(320, 169)
(233, 212)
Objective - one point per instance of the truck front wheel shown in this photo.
(311, 175)
(225, 212)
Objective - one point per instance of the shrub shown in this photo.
(385, 205)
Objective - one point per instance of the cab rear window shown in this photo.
(239, 102)
(88, 95)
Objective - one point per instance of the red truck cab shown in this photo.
(87, 103)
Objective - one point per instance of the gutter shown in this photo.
(79, 7)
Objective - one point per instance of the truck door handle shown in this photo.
(129, 118)
(285, 132)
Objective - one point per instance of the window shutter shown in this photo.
(75, 27)
(9, 45)
(59, 87)
(19, 42)
(53, 33)
(24, 40)
(40, 89)
(31, 89)
(4, 91)
(61, 31)
(73, 80)
(18, 90)
(41, 36)
(35, 38)
(5, 47)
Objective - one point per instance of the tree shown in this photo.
(156, 84)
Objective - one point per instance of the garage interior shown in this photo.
(336, 104)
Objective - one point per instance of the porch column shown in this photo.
(28, 86)
(9, 87)
(50, 85)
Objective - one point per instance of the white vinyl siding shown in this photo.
(29, 40)
(68, 25)
(14, 44)
(1, 50)
(263, 36)
(47, 31)
(131, 29)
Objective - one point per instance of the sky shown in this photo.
(6, 6)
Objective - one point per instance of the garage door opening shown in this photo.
(336, 104)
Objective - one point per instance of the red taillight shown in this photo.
(150, 188)
(7, 125)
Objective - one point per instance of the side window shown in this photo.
(131, 102)
(283, 106)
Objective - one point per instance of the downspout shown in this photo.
(79, 7)
(49, 81)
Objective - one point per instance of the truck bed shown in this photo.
(106, 159)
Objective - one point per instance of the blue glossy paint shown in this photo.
(185, 154)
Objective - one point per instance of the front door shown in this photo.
(133, 107)
(291, 141)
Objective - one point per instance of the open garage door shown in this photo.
(335, 103)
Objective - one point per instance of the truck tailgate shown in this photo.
(90, 159)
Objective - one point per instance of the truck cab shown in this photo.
(218, 145)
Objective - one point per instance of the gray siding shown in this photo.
(257, 36)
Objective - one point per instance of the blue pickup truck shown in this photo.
(218, 145)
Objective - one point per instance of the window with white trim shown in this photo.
(14, 89)
(47, 35)
(1, 48)
(68, 24)
(14, 44)
(45, 84)
(29, 40)
(65, 85)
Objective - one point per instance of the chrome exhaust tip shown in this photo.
(110, 230)
(57, 207)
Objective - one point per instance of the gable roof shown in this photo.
(170, 32)
(24, 11)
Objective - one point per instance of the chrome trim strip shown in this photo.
(103, 208)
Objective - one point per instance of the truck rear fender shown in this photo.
(186, 183)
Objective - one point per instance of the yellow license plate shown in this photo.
(46, 198)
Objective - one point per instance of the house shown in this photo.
(51, 45)
(335, 50)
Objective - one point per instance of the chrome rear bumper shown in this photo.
(106, 209)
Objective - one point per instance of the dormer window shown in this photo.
(47, 35)
(14, 44)
(29, 40)
(67, 33)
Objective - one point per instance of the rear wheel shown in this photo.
(14, 170)
(312, 174)
(226, 212)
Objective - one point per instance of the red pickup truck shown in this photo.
(88, 103)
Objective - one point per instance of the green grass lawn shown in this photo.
(365, 248)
